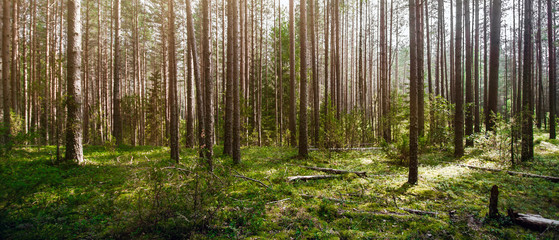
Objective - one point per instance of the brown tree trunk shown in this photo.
(527, 105)
(303, 144)
(412, 177)
(117, 120)
(458, 96)
(5, 73)
(292, 100)
(552, 70)
(493, 85)
(74, 149)
(208, 84)
(469, 85)
(174, 128)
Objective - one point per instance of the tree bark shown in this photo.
(5, 73)
(292, 100)
(74, 149)
(552, 70)
(173, 93)
(117, 120)
(412, 177)
(469, 84)
(208, 84)
(458, 96)
(527, 106)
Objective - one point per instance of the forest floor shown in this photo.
(138, 193)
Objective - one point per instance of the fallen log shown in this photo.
(311, 177)
(532, 221)
(549, 178)
(336, 171)
(346, 149)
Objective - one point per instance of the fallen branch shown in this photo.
(327, 198)
(383, 212)
(278, 201)
(549, 178)
(311, 177)
(419, 212)
(335, 171)
(532, 221)
(346, 149)
(180, 169)
(252, 179)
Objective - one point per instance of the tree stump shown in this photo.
(493, 202)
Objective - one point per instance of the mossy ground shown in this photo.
(129, 193)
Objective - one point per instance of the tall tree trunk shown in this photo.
(208, 84)
(552, 70)
(476, 69)
(469, 85)
(174, 128)
(292, 100)
(236, 144)
(412, 177)
(5, 73)
(86, 77)
(458, 96)
(303, 144)
(197, 78)
(493, 88)
(315, 77)
(231, 59)
(117, 120)
(74, 149)
(539, 108)
(15, 57)
(527, 106)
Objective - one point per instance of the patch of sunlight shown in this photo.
(547, 148)
(365, 160)
(449, 171)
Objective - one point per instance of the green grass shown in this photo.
(130, 194)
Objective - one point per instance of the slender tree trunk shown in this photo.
(231, 59)
(197, 78)
(552, 70)
(527, 106)
(15, 58)
(236, 91)
(74, 149)
(315, 77)
(413, 175)
(303, 141)
(458, 96)
(539, 108)
(117, 120)
(174, 128)
(208, 84)
(469, 85)
(5, 73)
(292, 100)
(476, 68)
(493, 87)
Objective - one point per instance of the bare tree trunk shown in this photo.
(74, 149)
(458, 96)
(316, 80)
(469, 85)
(303, 144)
(412, 177)
(552, 70)
(292, 107)
(174, 128)
(5, 73)
(527, 105)
(476, 69)
(208, 84)
(117, 120)
(493, 87)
